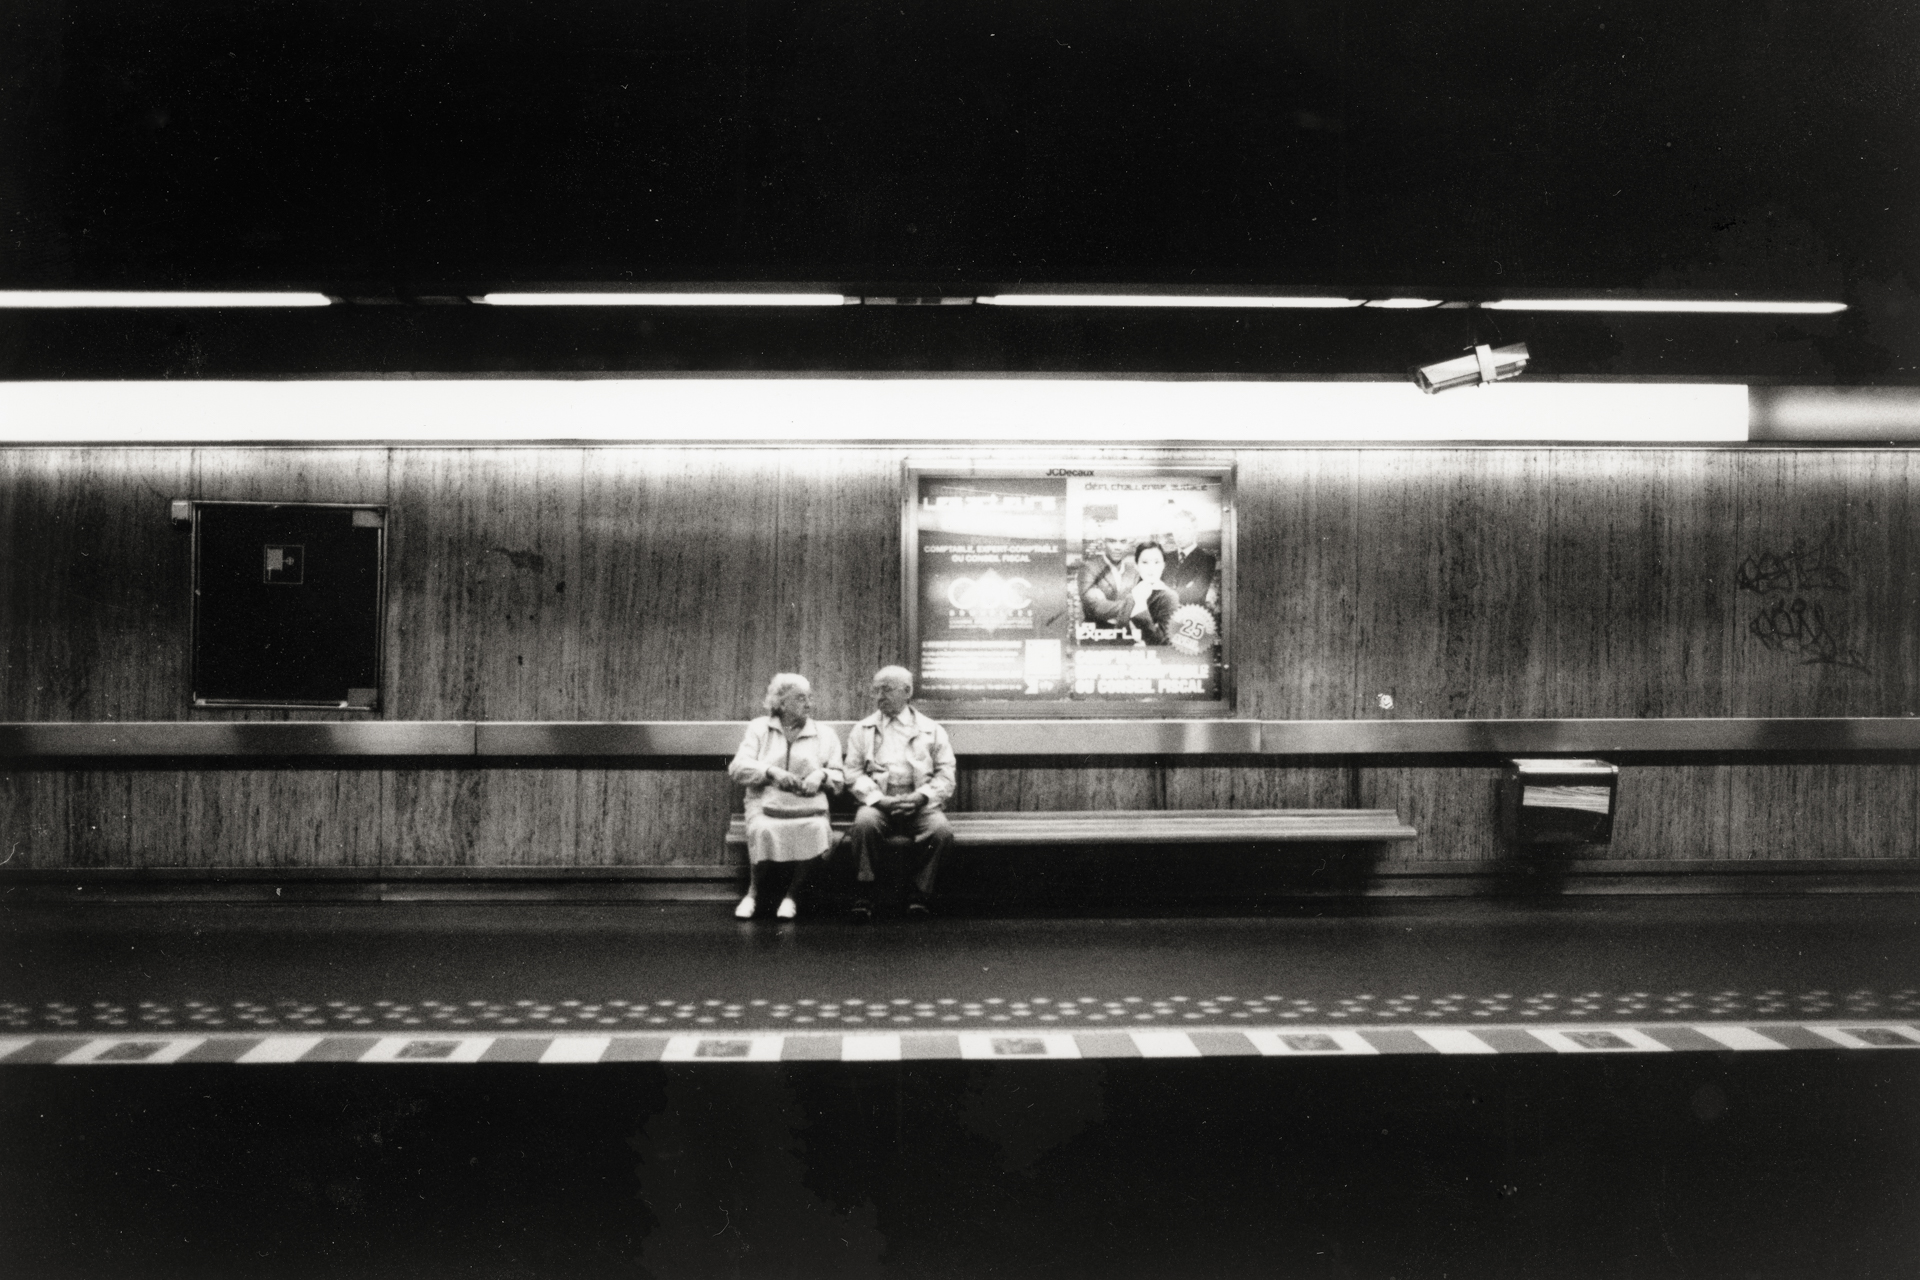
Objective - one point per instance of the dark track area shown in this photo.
(1686, 1165)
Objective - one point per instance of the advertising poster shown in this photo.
(1071, 588)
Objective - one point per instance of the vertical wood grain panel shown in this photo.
(518, 545)
(258, 817)
(37, 832)
(161, 836)
(96, 584)
(435, 635)
(838, 558)
(1062, 787)
(510, 537)
(1893, 620)
(97, 812)
(26, 837)
(679, 562)
(18, 469)
(1454, 619)
(25, 830)
(1452, 809)
(1639, 580)
(1822, 811)
(1202, 786)
(230, 474)
(1296, 624)
(682, 562)
(1452, 565)
(1641, 548)
(1838, 526)
(1672, 812)
(317, 818)
(466, 578)
(524, 816)
(1400, 506)
(446, 620)
(647, 818)
(434, 817)
(1837, 533)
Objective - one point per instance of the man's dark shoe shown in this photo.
(862, 910)
(917, 910)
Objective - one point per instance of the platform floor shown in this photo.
(652, 971)
(1596, 1087)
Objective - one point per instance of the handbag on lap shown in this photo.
(775, 803)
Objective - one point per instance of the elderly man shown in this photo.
(900, 766)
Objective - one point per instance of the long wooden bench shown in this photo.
(1155, 826)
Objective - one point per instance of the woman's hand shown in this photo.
(779, 777)
(810, 785)
(1142, 591)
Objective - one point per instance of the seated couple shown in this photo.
(899, 766)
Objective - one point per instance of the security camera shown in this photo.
(1486, 364)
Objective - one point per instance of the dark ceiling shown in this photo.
(395, 149)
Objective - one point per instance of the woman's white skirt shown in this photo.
(787, 839)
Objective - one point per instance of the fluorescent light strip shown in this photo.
(52, 299)
(56, 299)
(666, 299)
(1160, 300)
(1703, 306)
(988, 413)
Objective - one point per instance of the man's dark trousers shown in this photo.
(917, 864)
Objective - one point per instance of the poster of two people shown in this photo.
(1072, 587)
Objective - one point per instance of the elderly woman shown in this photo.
(788, 763)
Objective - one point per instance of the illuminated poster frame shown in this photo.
(1035, 618)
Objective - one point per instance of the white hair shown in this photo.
(782, 685)
(894, 675)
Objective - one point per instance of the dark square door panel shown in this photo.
(287, 606)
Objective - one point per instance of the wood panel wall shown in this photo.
(666, 583)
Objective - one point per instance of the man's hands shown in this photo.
(900, 804)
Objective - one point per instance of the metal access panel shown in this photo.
(288, 604)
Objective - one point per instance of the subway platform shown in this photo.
(682, 981)
(1674, 1086)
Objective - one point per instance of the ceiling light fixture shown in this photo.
(665, 299)
(1704, 306)
(1309, 302)
(59, 299)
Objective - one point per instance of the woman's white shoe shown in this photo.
(746, 908)
(788, 909)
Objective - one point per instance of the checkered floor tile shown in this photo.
(1292, 1040)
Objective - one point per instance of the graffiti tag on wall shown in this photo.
(1801, 618)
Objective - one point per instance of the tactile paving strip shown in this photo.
(1029, 1044)
(865, 1011)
